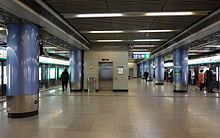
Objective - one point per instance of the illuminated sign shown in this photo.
(51, 73)
(46, 60)
(139, 55)
(60, 70)
(206, 60)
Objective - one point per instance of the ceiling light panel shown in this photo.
(135, 14)
(148, 46)
(2, 28)
(103, 32)
(107, 41)
(212, 46)
(50, 47)
(169, 13)
(128, 31)
(155, 31)
(137, 40)
(199, 51)
(97, 15)
(58, 52)
(141, 52)
(148, 40)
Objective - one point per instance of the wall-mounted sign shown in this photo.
(120, 70)
(140, 55)
(3, 54)
(147, 55)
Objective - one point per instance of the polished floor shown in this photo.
(146, 111)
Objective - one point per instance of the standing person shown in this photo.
(209, 80)
(146, 75)
(189, 77)
(166, 74)
(64, 79)
(201, 79)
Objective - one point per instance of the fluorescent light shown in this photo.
(93, 15)
(143, 45)
(50, 47)
(169, 13)
(192, 54)
(48, 60)
(198, 51)
(148, 40)
(58, 52)
(134, 14)
(154, 31)
(140, 52)
(2, 28)
(214, 46)
(108, 41)
(137, 40)
(127, 31)
(100, 32)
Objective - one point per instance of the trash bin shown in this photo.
(91, 84)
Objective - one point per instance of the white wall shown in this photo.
(119, 58)
(134, 66)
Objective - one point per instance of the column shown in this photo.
(180, 70)
(76, 70)
(22, 70)
(159, 70)
(150, 70)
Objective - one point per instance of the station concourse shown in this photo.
(108, 47)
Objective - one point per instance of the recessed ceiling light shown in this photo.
(2, 28)
(154, 31)
(108, 41)
(148, 40)
(58, 52)
(100, 32)
(212, 46)
(50, 47)
(92, 15)
(141, 52)
(127, 31)
(135, 14)
(169, 13)
(143, 45)
(137, 40)
(199, 51)
(192, 54)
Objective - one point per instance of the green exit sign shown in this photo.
(147, 55)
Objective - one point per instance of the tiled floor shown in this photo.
(146, 111)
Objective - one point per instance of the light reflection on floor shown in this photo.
(145, 111)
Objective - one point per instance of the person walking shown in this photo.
(209, 80)
(65, 79)
(201, 80)
(146, 75)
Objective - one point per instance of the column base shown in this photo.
(22, 106)
(180, 87)
(159, 83)
(180, 91)
(22, 115)
(75, 90)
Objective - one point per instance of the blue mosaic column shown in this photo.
(159, 70)
(22, 70)
(150, 70)
(180, 70)
(142, 70)
(76, 70)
